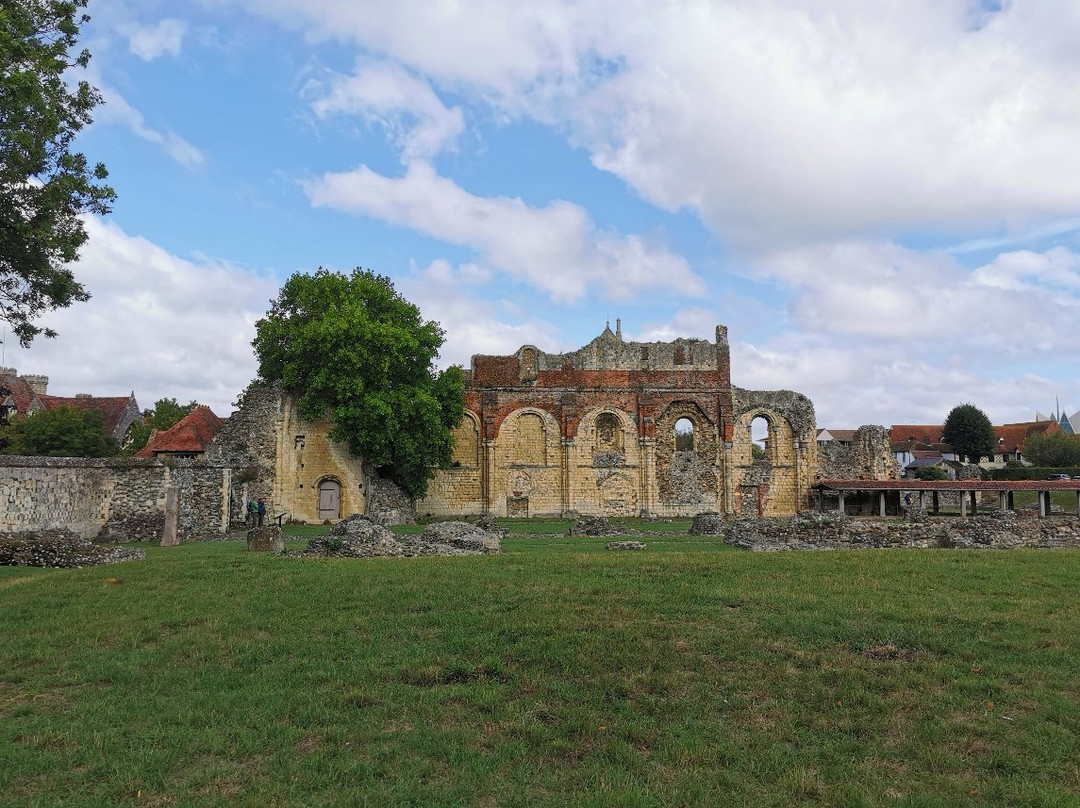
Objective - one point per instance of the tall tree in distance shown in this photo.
(45, 187)
(969, 432)
(351, 348)
(62, 432)
(1054, 450)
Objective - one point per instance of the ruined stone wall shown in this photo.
(122, 499)
(592, 432)
(997, 530)
(780, 482)
(869, 457)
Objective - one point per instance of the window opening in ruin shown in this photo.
(645, 353)
(680, 355)
(684, 435)
(607, 431)
(759, 439)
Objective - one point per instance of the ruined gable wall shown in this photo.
(779, 484)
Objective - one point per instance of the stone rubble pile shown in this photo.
(59, 548)
(359, 537)
(626, 545)
(491, 525)
(594, 526)
(832, 531)
(708, 524)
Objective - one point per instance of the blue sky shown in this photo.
(878, 199)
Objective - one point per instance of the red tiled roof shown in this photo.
(111, 408)
(925, 433)
(21, 393)
(950, 485)
(190, 434)
(1015, 434)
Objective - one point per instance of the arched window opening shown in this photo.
(684, 435)
(759, 439)
(607, 431)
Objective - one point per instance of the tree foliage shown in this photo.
(351, 348)
(44, 186)
(931, 473)
(1056, 450)
(61, 432)
(969, 432)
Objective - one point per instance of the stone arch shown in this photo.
(606, 436)
(466, 453)
(779, 448)
(529, 437)
(687, 478)
(777, 484)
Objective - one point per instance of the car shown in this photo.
(1059, 477)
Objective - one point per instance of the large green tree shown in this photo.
(969, 432)
(351, 348)
(45, 186)
(62, 432)
(1053, 450)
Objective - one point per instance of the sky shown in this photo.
(880, 200)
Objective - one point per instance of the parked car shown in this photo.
(1059, 477)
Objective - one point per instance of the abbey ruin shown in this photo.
(616, 428)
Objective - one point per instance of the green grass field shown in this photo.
(555, 674)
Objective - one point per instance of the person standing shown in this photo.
(261, 511)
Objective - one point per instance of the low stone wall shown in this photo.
(998, 530)
(113, 499)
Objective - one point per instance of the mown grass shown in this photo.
(555, 674)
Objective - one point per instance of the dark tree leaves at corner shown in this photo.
(351, 348)
(45, 187)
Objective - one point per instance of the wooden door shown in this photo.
(329, 500)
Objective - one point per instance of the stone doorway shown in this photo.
(329, 500)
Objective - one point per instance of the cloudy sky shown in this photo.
(880, 200)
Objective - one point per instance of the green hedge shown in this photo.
(1030, 473)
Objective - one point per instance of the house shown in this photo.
(187, 438)
(907, 439)
(27, 394)
(836, 437)
(1010, 441)
(932, 458)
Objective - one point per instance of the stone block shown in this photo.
(265, 540)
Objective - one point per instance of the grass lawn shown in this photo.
(557, 673)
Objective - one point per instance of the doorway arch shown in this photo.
(329, 500)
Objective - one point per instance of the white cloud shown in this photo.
(116, 109)
(778, 123)
(156, 324)
(472, 325)
(556, 248)
(382, 93)
(148, 42)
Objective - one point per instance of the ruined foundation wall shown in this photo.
(121, 499)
